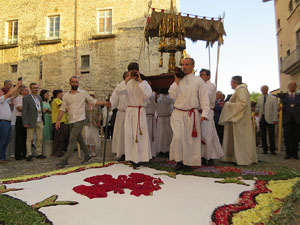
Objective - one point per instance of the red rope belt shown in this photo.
(191, 112)
(138, 127)
(152, 115)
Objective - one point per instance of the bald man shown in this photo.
(291, 121)
(189, 94)
(267, 108)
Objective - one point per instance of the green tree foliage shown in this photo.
(254, 96)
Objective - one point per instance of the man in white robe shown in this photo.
(188, 94)
(164, 132)
(238, 142)
(137, 91)
(151, 121)
(211, 148)
(120, 103)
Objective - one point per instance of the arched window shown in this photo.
(278, 24)
(291, 6)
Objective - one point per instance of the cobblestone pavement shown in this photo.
(15, 168)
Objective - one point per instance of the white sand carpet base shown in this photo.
(187, 200)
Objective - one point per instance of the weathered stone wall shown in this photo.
(108, 57)
(286, 37)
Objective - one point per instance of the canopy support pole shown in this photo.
(209, 58)
(217, 67)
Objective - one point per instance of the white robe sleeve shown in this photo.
(121, 89)
(146, 89)
(114, 99)
(174, 91)
(204, 99)
(212, 95)
(234, 111)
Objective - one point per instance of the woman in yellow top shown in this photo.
(61, 136)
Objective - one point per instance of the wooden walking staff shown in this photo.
(106, 131)
(254, 125)
(78, 150)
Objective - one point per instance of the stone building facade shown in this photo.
(288, 39)
(49, 41)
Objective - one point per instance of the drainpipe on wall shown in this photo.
(75, 38)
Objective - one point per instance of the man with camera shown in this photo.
(6, 117)
(189, 95)
(137, 91)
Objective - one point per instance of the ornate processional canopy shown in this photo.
(172, 29)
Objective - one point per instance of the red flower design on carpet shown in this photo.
(223, 215)
(138, 183)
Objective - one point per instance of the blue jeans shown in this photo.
(5, 134)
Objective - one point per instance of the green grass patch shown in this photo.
(281, 173)
(290, 212)
(15, 212)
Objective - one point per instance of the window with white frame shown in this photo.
(12, 31)
(105, 21)
(53, 27)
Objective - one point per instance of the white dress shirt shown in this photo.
(5, 112)
(75, 104)
(18, 103)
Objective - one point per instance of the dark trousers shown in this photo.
(5, 127)
(60, 139)
(21, 136)
(291, 133)
(109, 132)
(220, 132)
(264, 129)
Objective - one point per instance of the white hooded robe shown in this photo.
(119, 102)
(239, 142)
(188, 96)
(137, 144)
(212, 148)
(164, 132)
